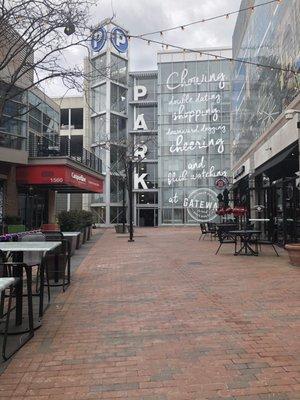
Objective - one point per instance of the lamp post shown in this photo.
(130, 195)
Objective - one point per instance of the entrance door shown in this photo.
(285, 210)
(147, 216)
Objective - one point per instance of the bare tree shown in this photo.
(34, 34)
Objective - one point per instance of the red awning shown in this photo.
(59, 177)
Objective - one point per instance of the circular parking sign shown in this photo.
(119, 40)
(98, 39)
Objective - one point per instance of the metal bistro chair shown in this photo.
(225, 237)
(58, 264)
(34, 258)
(11, 283)
(204, 231)
(212, 230)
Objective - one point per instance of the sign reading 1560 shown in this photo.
(117, 36)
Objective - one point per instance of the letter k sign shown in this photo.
(140, 179)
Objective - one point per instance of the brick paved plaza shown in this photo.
(163, 318)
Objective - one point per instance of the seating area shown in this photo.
(32, 263)
(246, 240)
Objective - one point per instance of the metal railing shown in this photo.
(61, 146)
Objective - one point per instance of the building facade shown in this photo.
(193, 134)
(265, 111)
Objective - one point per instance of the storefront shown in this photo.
(278, 196)
(38, 185)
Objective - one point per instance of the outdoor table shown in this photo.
(245, 236)
(21, 247)
(73, 238)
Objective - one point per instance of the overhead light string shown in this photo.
(226, 15)
(215, 56)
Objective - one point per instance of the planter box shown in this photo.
(119, 229)
(294, 253)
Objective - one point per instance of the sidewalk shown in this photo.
(163, 318)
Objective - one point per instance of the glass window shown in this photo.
(118, 69)
(117, 128)
(150, 169)
(98, 99)
(99, 69)
(147, 198)
(77, 118)
(118, 98)
(64, 117)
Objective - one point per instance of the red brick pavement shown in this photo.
(163, 318)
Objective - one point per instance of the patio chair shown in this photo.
(266, 242)
(204, 231)
(58, 264)
(225, 237)
(212, 230)
(10, 283)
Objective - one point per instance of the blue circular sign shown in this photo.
(98, 39)
(119, 40)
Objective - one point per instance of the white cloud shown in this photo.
(140, 16)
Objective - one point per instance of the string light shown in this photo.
(167, 45)
(226, 15)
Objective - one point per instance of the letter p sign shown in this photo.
(119, 40)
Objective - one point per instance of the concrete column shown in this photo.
(51, 206)
(11, 195)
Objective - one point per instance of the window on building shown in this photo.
(118, 69)
(64, 117)
(77, 118)
(99, 69)
(98, 99)
(118, 98)
(117, 128)
(147, 198)
(76, 145)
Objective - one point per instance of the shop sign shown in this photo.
(98, 39)
(58, 175)
(119, 40)
(201, 204)
(221, 183)
(239, 172)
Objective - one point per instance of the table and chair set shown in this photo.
(43, 256)
(247, 240)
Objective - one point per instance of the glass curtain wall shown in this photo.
(261, 94)
(194, 137)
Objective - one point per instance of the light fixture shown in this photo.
(69, 28)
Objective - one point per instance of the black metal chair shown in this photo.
(58, 264)
(11, 283)
(266, 242)
(204, 231)
(212, 229)
(225, 237)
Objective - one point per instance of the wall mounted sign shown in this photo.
(60, 178)
(119, 40)
(221, 182)
(98, 39)
(201, 204)
(239, 172)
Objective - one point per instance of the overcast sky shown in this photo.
(140, 16)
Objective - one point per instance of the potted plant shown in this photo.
(293, 250)
(13, 224)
